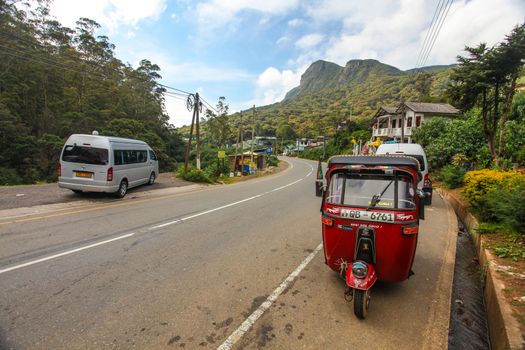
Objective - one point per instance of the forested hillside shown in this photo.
(329, 93)
(55, 81)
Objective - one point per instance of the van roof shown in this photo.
(101, 138)
(413, 148)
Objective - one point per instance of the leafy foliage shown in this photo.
(479, 182)
(56, 81)
(487, 78)
(443, 138)
(452, 176)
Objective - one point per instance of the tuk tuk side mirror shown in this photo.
(319, 188)
(421, 201)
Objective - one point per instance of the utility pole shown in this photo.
(187, 158)
(197, 107)
(237, 145)
(253, 135)
(324, 147)
(402, 128)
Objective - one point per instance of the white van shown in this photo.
(94, 163)
(414, 150)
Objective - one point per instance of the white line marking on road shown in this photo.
(29, 263)
(206, 212)
(231, 204)
(248, 323)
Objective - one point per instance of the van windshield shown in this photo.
(85, 155)
(357, 190)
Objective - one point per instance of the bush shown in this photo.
(193, 175)
(452, 176)
(505, 203)
(215, 169)
(273, 161)
(479, 182)
(9, 177)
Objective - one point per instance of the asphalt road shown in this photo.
(186, 270)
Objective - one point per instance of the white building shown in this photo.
(395, 123)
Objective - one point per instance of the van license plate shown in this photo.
(84, 174)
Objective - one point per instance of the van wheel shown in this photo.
(151, 178)
(77, 191)
(122, 189)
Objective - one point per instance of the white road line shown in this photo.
(206, 212)
(248, 323)
(29, 263)
(231, 204)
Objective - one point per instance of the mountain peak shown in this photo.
(323, 75)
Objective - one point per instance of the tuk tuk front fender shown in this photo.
(364, 283)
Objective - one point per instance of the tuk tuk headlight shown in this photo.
(359, 269)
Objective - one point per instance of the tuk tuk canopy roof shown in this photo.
(375, 161)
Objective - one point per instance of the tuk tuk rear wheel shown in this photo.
(361, 302)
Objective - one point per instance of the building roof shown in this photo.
(430, 108)
(383, 110)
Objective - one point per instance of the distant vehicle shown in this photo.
(93, 163)
(414, 150)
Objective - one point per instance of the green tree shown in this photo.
(286, 132)
(487, 78)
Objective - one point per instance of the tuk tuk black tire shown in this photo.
(361, 302)
(122, 189)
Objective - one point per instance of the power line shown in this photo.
(428, 33)
(433, 41)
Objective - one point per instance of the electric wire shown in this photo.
(449, 4)
(427, 35)
(442, 10)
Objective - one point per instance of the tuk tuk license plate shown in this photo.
(367, 215)
(84, 174)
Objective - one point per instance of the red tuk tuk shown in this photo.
(370, 219)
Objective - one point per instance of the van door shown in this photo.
(84, 164)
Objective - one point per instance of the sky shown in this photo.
(253, 51)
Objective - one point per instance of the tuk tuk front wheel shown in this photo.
(361, 302)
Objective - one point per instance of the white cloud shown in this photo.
(109, 13)
(216, 13)
(177, 111)
(393, 32)
(309, 41)
(473, 22)
(273, 84)
(296, 22)
(282, 40)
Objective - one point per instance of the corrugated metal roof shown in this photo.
(433, 108)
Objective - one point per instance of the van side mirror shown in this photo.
(319, 188)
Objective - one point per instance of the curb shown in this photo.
(504, 330)
(436, 332)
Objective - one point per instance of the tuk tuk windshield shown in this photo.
(358, 190)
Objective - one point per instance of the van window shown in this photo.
(85, 155)
(152, 155)
(130, 156)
